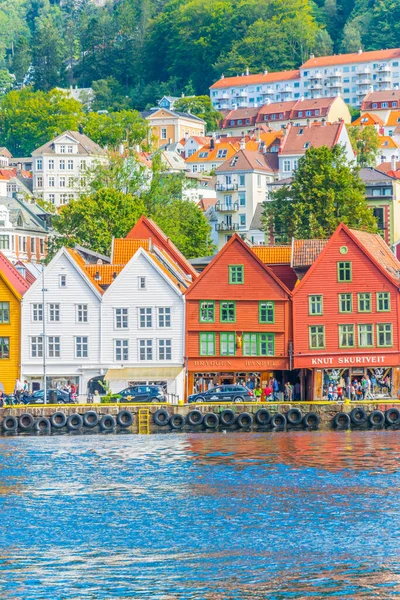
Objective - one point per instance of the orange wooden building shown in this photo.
(238, 321)
(346, 316)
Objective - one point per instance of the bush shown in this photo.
(110, 399)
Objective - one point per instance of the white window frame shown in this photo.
(164, 346)
(37, 311)
(54, 311)
(121, 318)
(62, 281)
(164, 314)
(36, 341)
(146, 345)
(145, 313)
(82, 310)
(52, 342)
(81, 346)
(141, 283)
(121, 346)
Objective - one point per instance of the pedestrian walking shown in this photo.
(275, 389)
(18, 389)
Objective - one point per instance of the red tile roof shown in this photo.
(12, 172)
(246, 160)
(378, 97)
(12, 277)
(261, 78)
(299, 139)
(354, 57)
(305, 252)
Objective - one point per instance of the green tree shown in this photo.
(366, 144)
(351, 41)
(325, 191)
(113, 128)
(21, 59)
(28, 119)
(323, 43)
(200, 106)
(47, 55)
(6, 81)
(95, 219)
(109, 95)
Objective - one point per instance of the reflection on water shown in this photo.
(182, 517)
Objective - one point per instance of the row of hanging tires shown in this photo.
(59, 420)
(228, 418)
(358, 417)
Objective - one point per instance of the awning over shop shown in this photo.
(143, 373)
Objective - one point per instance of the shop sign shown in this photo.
(261, 363)
(212, 363)
(350, 360)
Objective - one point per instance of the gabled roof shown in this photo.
(200, 139)
(353, 57)
(381, 96)
(240, 113)
(25, 213)
(273, 255)
(372, 245)
(123, 249)
(219, 255)
(393, 119)
(245, 160)
(299, 139)
(277, 108)
(226, 82)
(85, 145)
(12, 278)
(173, 113)
(370, 175)
(367, 119)
(77, 260)
(305, 252)
(159, 238)
(230, 147)
(388, 142)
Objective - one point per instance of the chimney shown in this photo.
(312, 56)
(265, 72)
(212, 144)
(169, 140)
(394, 163)
(80, 129)
(121, 149)
(19, 168)
(222, 76)
(242, 144)
(360, 51)
(247, 71)
(323, 122)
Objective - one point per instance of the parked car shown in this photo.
(225, 393)
(143, 393)
(53, 397)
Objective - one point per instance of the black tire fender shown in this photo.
(161, 417)
(74, 422)
(43, 425)
(10, 423)
(392, 416)
(194, 418)
(263, 416)
(376, 418)
(124, 418)
(278, 420)
(107, 423)
(245, 420)
(358, 415)
(227, 417)
(311, 420)
(91, 418)
(176, 421)
(341, 420)
(26, 422)
(58, 420)
(294, 416)
(210, 420)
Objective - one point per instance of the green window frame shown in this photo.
(4, 312)
(383, 301)
(207, 311)
(258, 344)
(364, 302)
(366, 335)
(346, 336)
(207, 344)
(4, 347)
(345, 303)
(344, 271)
(227, 344)
(315, 305)
(236, 274)
(227, 311)
(266, 312)
(384, 335)
(316, 337)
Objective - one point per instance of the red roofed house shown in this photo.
(237, 321)
(346, 316)
(12, 288)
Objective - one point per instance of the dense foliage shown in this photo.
(134, 51)
(325, 191)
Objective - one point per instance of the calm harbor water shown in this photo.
(206, 516)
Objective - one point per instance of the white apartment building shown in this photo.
(242, 183)
(350, 75)
(63, 166)
(72, 325)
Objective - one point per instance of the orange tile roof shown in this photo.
(387, 142)
(380, 251)
(82, 265)
(367, 119)
(354, 57)
(226, 82)
(231, 148)
(105, 272)
(273, 255)
(124, 249)
(305, 252)
(393, 118)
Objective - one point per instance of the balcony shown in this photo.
(384, 69)
(315, 77)
(364, 71)
(226, 187)
(315, 86)
(227, 206)
(240, 94)
(269, 91)
(335, 73)
(287, 89)
(335, 84)
(223, 96)
(365, 80)
(385, 77)
(227, 226)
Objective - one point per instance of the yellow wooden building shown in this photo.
(12, 288)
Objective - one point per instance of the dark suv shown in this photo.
(143, 393)
(224, 393)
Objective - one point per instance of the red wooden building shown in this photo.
(238, 321)
(346, 315)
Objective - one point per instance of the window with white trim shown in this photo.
(81, 347)
(53, 345)
(164, 317)
(121, 318)
(145, 317)
(62, 281)
(54, 312)
(121, 350)
(145, 349)
(37, 312)
(164, 349)
(82, 313)
(36, 347)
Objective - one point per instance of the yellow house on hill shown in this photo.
(12, 287)
(169, 126)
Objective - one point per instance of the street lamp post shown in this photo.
(44, 339)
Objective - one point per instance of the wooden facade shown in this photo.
(246, 312)
(346, 315)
